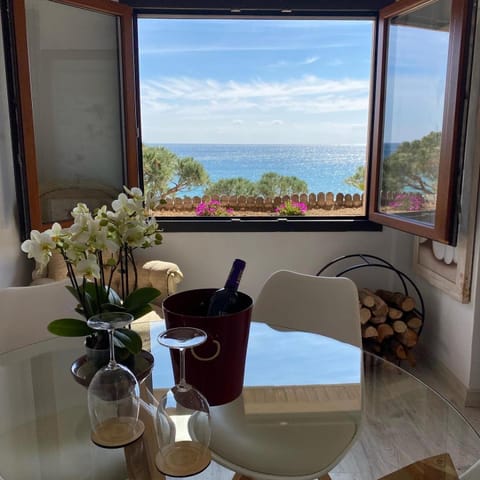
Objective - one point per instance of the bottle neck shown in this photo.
(235, 275)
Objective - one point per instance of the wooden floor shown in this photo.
(381, 449)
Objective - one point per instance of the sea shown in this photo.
(323, 167)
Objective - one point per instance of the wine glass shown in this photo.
(183, 414)
(113, 393)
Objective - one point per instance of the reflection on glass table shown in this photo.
(296, 378)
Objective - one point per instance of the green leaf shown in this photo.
(69, 327)
(113, 297)
(91, 306)
(111, 307)
(139, 298)
(96, 295)
(129, 339)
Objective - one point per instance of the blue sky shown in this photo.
(255, 81)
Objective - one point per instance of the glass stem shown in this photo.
(112, 361)
(182, 383)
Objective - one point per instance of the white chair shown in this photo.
(25, 312)
(324, 305)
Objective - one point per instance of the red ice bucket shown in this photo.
(216, 368)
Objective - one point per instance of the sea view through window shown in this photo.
(259, 114)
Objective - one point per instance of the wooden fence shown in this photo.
(326, 201)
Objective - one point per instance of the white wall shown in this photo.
(205, 258)
(13, 267)
(447, 334)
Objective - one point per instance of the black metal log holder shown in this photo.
(372, 261)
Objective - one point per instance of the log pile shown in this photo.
(390, 324)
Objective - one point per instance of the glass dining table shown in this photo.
(309, 404)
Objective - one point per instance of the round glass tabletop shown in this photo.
(303, 395)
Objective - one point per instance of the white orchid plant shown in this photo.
(97, 247)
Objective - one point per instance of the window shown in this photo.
(265, 109)
(75, 78)
(420, 111)
(202, 102)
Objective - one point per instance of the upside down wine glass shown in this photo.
(113, 393)
(183, 414)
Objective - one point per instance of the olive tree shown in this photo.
(165, 173)
(232, 186)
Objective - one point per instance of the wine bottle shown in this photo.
(225, 299)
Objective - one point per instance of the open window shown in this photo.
(256, 118)
(77, 109)
(80, 125)
(419, 119)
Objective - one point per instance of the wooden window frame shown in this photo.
(130, 165)
(444, 228)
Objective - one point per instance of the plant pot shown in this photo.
(99, 357)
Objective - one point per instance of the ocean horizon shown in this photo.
(323, 167)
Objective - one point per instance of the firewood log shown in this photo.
(408, 338)
(404, 302)
(384, 330)
(399, 350)
(399, 326)
(414, 322)
(366, 297)
(365, 315)
(377, 319)
(394, 313)
(369, 332)
(380, 308)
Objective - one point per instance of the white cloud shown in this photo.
(284, 108)
(310, 60)
(291, 94)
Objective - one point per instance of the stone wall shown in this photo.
(327, 201)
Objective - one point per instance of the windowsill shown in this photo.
(266, 224)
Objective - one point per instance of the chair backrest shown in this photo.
(325, 305)
(25, 312)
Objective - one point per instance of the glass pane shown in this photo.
(414, 100)
(255, 112)
(74, 70)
